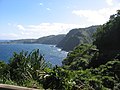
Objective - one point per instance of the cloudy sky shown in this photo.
(20, 19)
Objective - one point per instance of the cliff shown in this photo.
(76, 37)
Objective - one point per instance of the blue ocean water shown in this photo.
(4, 40)
(51, 53)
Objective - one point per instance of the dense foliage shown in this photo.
(107, 36)
(107, 39)
(23, 69)
(94, 67)
(81, 57)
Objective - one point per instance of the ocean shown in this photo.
(51, 53)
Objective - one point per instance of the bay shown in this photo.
(51, 53)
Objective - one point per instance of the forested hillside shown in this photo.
(76, 37)
(100, 62)
(93, 66)
(52, 39)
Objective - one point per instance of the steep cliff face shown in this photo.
(76, 37)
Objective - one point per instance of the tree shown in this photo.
(108, 35)
(26, 66)
(108, 39)
(81, 57)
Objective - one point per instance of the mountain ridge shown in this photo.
(77, 36)
(51, 39)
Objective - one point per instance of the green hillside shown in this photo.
(76, 37)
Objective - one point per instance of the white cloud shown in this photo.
(45, 29)
(41, 4)
(67, 7)
(96, 16)
(109, 2)
(9, 24)
(48, 9)
(52, 27)
(20, 27)
(8, 36)
(119, 4)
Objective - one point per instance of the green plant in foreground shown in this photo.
(23, 69)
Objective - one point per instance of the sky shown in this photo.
(31, 19)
